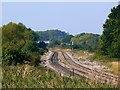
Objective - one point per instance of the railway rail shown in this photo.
(53, 61)
(64, 63)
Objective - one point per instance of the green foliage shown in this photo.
(17, 36)
(41, 45)
(14, 56)
(35, 58)
(67, 39)
(50, 34)
(41, 51)
(18, 44)
(37, 77)
(54, 42)
(85, 41)
(56, 37)
(110, 40)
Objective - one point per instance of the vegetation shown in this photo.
(22, 76)
(85, 41)
(18, 44)
(66, 41)
(110, 40)
(54, 42)
(109, 62)
(50, 34)
(41, 45)
(56, 38)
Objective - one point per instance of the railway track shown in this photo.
(91, 73)
(71, 65)
(64, 64)
(53, 61)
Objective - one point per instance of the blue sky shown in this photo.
(72, 17)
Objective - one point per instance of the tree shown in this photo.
(41, 45)
(110, 40)
(54, 42)
(50, 34)
(67, 39)
(17, 43)
(85, 41)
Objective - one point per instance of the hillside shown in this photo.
(50, 34)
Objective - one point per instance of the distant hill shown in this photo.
(50, 34)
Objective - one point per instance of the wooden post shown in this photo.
(73, 71)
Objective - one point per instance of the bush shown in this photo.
(12, 56)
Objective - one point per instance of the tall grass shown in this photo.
(38, 77)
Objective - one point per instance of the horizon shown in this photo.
(73, 18)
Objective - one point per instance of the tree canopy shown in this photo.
(18, 42)
(50, 34)
(67, 38)
(110, 40)
(85, 41)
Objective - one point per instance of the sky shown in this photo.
(71, 17)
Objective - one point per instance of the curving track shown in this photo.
(64, 64)
(53, 61)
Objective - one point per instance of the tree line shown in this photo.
(83, 41)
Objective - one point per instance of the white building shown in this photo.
(47, 42)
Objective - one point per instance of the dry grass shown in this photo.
(113, 65)
(116, 67)
(26, 70)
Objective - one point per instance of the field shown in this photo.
(25, 76)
